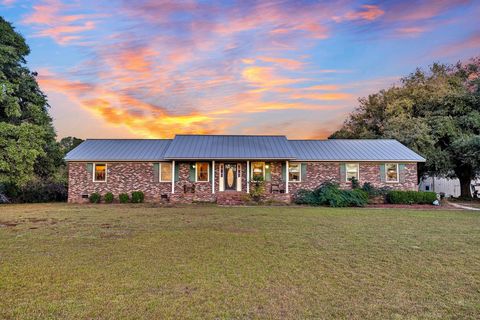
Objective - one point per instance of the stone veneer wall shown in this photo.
(125, 177)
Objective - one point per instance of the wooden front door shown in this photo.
(230, 176)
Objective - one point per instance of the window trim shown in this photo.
(196, 171)
(160, 164)
(299, 172)
(93, 171)
(346, 171)
(386, 173)
(263, 169)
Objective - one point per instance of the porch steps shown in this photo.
(232, 198)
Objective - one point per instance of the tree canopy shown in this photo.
(434, 112)
(27, 137)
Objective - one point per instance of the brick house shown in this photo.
(223, 168)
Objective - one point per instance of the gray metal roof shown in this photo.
(119, 150)
(204, 147)
(353, 150)
(229, 147)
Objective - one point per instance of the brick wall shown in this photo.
(132, 176)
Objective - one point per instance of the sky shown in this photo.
(153, 69)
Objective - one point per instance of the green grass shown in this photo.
(141, 261)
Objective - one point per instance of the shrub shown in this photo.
(123, 197)
(95, 197)
(109, 197)
(258, 189)
(373, 192)
(329, 194)
(137, 196)
(355, 183)
(36, 190)
(411, 197)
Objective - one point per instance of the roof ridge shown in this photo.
(112, 139)
(231, 135)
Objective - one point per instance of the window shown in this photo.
(294, 172)
(202, 173)
(391, 170)
(99, 172)
(165, 172)
(351, 171)
(258, 170)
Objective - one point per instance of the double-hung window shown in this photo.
(352, 171)
(165, 172)
(258, 171)
(391, 172)
(294, 172)
(99, 172)
(202, 171)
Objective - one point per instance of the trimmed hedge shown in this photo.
(411, 197)
(95, 197)
(109, 197)
(123, 198)
(329, 194)
(137, 196)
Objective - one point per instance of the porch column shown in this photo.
(248, 176)
(286, 178)
(213, 176)
(173, 176)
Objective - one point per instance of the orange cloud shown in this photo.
(367, 12)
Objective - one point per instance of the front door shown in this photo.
(230, 176)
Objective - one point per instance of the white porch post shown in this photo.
(248, 176)
(173, 176)
(213, 176)
(286, 178)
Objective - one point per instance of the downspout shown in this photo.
(173, 176)
(213, 177)
(286, 177)
(248, 176)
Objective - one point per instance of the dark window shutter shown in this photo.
(304, 172)
(343, 172)
(284, 171)
(401, 172)
(177, 170)
(268, 172)
(382, 172)
(90, 168)
(191, 175)
(156, 177)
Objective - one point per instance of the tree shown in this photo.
(434, 112)
(27, 138)
(69, 143)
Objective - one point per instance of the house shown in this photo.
(223, 168)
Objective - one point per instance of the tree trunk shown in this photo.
(465, 189)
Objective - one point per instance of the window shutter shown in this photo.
(177, 169)
(156, 177)
(191, 176)
(343, 172)
(284, 171)
(382, 172)
(268, 172)
(401, 172)
(90, 167)
(304, 172)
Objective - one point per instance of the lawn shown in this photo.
(126, 261)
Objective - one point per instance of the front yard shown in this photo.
(126, 261)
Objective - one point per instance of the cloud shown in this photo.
(50, 20)
(470, 42)
(366, 12)
(323, 96)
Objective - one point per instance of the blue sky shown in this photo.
(156, 68)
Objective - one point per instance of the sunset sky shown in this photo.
(150, 69)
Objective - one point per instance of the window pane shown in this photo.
(166, 172)
(294, 172)
(202, 171)
(392, 172)
(352, 170)
(257, 170)
(100, 172)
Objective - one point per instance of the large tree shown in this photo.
(434, 112)
(27, 138)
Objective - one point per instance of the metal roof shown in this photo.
(229, 147)
(204, 147)
(119, 150)
(353, 150)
